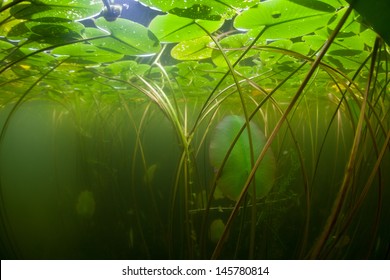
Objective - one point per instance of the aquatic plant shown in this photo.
(172, 123)
(239, 163)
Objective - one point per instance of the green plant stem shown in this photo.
(273, 134)
(249, 133)
(340, 198)
(379, 154)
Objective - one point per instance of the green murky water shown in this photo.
(113, 184)
(210, 129)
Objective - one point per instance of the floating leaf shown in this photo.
(65, 10)
(5, 49)
(238, 166)
(171, 28)
(195, 74)
(45, 34)
(286, 19)
(197, 11)
(63, 29)
(233, 47)
(86, 53)
(269, 57)
(201, 9)
(126, 68)
(127, 37)
(376, 13)
(199, 48)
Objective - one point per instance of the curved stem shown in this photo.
(273, 134)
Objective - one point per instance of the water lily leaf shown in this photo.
(48, 33)
(376, 13)
(286, 19)
(315, 42)
(86, 53)
(126, 37)
(199, 48)
(197, 11)
(348, 50)
(238, 166)
(126, 68)
(5, 48)
(67, 29)
(234, 46)
(201, 9)
(269, 57)
(195, 74)
(171, 28)
(61, 10)
(347, 59)
(323, 6)
(39, 60)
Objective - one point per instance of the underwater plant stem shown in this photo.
(158, 96)
(107, 3)
(133, 199)
(268, 96)
(249, 133)
(345, 186)
(206, 103)
(273, 134)
(376, 170)
(363, 195)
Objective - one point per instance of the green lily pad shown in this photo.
(287, 19)
(67, 10)
(238, 165)
(171, 28)
(126, 37)
(199, 48)
(201, 9)
(86, 53)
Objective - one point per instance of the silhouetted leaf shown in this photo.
(376, 13)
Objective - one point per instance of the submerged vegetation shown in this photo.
(220, 129)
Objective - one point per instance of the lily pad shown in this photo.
(238, 166)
